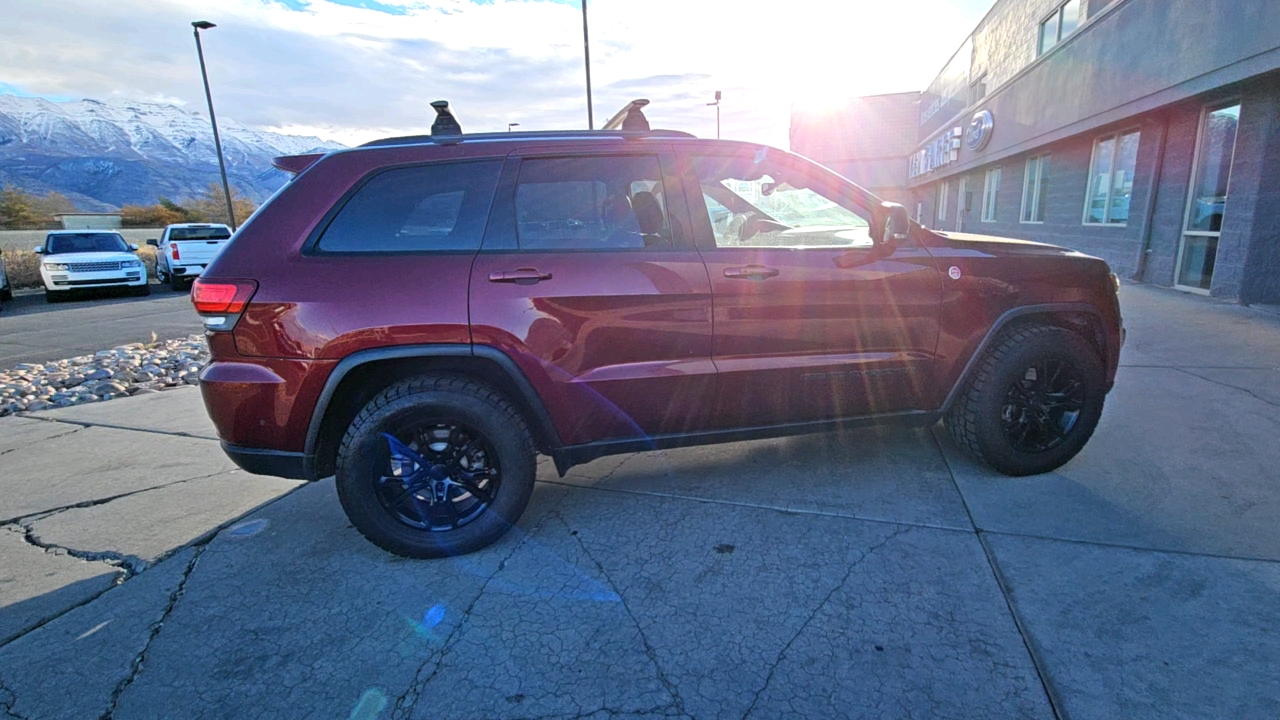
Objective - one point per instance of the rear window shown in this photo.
(195, 233)
(442, 206)
(84, 242)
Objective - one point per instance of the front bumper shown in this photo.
(66, 280)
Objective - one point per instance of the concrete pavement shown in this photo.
(878, 573)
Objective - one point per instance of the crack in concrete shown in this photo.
(649, 651)
(140, 659)
(7, 700)
(130, 565)
(406, 700)
(51, 437)
(86, 424)
(42, 514)
(1246, 391)
(1042, 672)
(782, 654)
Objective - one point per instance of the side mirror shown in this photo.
(39, 250)
(897, 224)
(133, 247)
(153, 242)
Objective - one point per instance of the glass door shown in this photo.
(1207, 200)
(962, 206)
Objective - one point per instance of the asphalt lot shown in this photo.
(32, 330)
(877, 573)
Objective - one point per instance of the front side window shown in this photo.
(85, 242)
(990, 195)
(753, 202)
(591, 203)
(1035, 188)
(944, 191)
(437, 207)
(1055, 28)
(1115, 159)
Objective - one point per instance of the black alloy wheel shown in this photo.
(435, 466)
(1042, 407)
(438, 477)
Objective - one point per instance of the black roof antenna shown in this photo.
(629, 117)
(446, 123)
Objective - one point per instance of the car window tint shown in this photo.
(591, 203)
(753, 202)
(85, 242)
(441, 206)
(205, 233)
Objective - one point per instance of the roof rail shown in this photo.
(524, 135)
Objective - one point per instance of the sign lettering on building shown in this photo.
(943, 150)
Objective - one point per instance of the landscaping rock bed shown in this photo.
(119, 372)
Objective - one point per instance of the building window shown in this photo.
(1035, 189)
(990, 191)
(978, 89)
(1111, 179)
(944, 189)
(1055, 28)
(920, 213)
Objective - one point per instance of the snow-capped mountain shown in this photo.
(107, 154)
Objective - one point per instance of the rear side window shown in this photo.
(205, 233)
(442, 206)
(591, 203)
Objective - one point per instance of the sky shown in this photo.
(355, 70)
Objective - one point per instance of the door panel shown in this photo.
(616, 341)
(811, 321)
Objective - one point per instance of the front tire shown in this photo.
(55, 296)
(436, 466)
(1033, 401)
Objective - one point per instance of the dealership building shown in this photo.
(1145, 132)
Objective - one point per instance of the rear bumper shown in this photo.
(260, 461)
(188, 270)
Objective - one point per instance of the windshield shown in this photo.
(84, 242)
(199, 233)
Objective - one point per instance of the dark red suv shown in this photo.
(421, 316)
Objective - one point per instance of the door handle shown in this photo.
(522, 276)
(750, 272)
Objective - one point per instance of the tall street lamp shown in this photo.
(217, 142)
(717, 106)
(586, 55)
(511, 125)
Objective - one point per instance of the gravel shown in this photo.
(122, 371)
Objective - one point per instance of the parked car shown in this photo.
(6, 289)
(184, 250)
(422, 315)
(82, 259)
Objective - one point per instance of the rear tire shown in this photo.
(179, 283)
(1033, 401)
(494, 452)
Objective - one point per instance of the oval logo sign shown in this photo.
(978, 134)
(954, 272)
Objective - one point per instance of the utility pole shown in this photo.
(217, 142)
(586, 54)
(717, 106)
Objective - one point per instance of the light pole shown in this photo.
(511, 125)
(217, 142)
(717, 106)
(586, 55)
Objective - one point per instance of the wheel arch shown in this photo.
(1081, 318)
(359, 377)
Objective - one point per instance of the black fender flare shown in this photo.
(529, 397)
(1009, 316)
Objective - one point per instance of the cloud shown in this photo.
(356, 69)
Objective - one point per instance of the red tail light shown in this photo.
(174, 248)
(222, 297)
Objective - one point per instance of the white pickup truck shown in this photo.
(185, 249)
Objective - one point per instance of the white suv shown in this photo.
(76, 259)
(185, 249)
